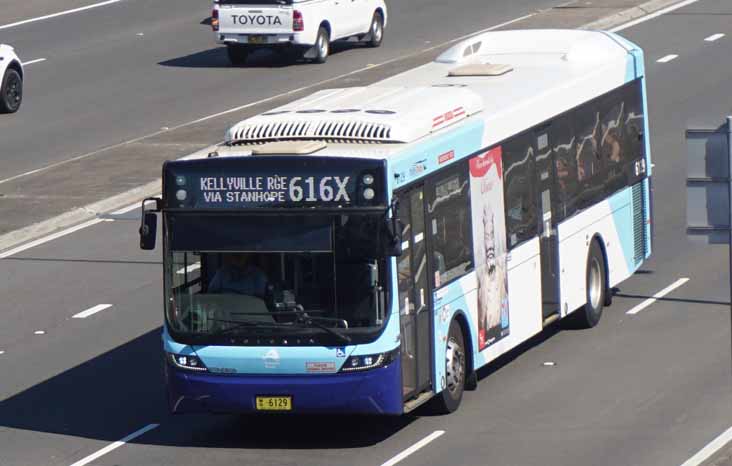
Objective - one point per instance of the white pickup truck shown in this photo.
(300, 27)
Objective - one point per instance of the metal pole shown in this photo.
(729, 193)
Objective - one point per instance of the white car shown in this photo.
(11, 86)
(301, 26)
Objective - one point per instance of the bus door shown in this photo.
(414, 295)
(549, 241)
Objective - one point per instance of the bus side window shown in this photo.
(561, 135)
(448, 223)
(521, 202)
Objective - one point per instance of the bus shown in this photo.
(368, 249)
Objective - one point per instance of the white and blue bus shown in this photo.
(367, 249)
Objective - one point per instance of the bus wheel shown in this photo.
(589, 315)
(455, 371)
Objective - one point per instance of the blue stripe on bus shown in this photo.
(419, 160)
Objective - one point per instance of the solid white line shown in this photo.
(115, 445)
(710, 449)
(91, 311)
(660, 294)
(48, 238)
(61, 13)
(30, 62)
(414, 448)
(127, 209)
(656, 14)
(714, 37)
(667, 58)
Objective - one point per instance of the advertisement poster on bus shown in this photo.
(489, 246)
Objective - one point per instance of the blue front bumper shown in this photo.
(377, 391)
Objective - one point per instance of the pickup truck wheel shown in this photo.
(11, 91)
(237, 54)
(376, 31)
(322, 46)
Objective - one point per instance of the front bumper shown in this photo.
(377, 391)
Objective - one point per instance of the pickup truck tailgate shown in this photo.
(254, 19)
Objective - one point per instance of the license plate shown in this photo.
(257, 39)
(274, 403)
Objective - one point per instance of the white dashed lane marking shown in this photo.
(658, 295)
(91, 311)
(414, 448)
(667, 58)
(714, 37)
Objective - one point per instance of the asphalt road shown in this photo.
(127, 69)
(649, 389)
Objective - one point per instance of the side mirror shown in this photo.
(393, 237)
(148, 231)
(149, 225)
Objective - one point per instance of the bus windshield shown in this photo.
(249, 279)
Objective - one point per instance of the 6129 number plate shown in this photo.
(274, 403)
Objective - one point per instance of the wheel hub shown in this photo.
(455, 366)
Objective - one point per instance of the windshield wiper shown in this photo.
(310, 322)
(302, 320)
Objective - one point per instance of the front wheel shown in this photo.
(237, 54)
(455, 368)
(376, 31)
(11, 91)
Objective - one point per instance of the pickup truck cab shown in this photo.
(11, 80)
(299, 27)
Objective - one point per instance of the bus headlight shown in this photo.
(188, 362)
(368, 194)
(369, 361)
(368, 179)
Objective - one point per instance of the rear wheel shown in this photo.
(322, 46)
(237, 54)
(455, 368)
(11, 91)
(589, 315)
(376, 31)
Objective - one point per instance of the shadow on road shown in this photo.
(263, 58)
(118, 392)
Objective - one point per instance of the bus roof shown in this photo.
(504, 81)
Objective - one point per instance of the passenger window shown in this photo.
(518, 162)
(449, 225)
(565, 159)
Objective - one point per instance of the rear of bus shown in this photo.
(320, 336)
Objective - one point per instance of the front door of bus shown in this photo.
(414, 302)
(549, 244)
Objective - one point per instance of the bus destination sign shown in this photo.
(274, 189)
(249, 182)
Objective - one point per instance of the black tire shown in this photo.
(237, 54)
(376, 30)
(589, 315)
(11, 91)
(322, 46)
(450, 397)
